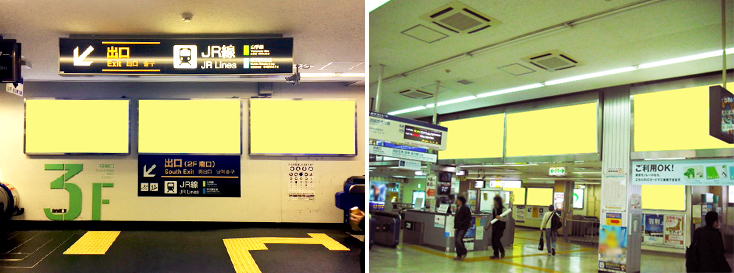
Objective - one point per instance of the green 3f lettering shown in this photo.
(75, 193)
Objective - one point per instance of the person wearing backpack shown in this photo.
(550, 225)
(462, 223)
(706, 253)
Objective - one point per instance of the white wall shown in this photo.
(264, 188)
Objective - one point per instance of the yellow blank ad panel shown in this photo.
(556, 131)
(190, 126)
(664, 197)
(519, 195)
(540, 197)
(77, 126)
(674, 120)
(480, 137)
(317, 127)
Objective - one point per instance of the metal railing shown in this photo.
(586, 231)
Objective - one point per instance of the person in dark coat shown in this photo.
(357, 216)
(711, 246)
(498, 228)
(462, 222)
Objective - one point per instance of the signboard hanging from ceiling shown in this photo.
(721, 114)
(407, 131)
(175, 56)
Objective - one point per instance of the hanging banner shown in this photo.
(189, 175)
(175, 56)
(613, 248)
(407, 131)
(675, 229)
(702, 172)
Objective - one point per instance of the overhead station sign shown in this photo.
(407, 131)
(175, 56)
(705, 172)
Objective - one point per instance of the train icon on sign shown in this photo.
(171, 187)
(184, 56)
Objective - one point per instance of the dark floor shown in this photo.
(173, 251)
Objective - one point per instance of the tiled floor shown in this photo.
(522, 257)
(288, 250)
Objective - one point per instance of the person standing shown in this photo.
(357, 216)
(462, 222)
(551, 232)
(498, 228)
(710, 246)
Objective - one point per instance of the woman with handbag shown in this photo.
(551, 232)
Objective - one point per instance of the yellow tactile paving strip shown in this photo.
(239, 248)
(93, 243)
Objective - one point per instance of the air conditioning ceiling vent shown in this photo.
(553, 60)
(457, 17)
(416, 94)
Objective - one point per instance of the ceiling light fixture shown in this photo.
(575, 78)
(463, 99)
(187, 16)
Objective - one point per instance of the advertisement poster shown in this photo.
(439, 221)
(613, 248)
(653, 229)
(614, 219)
(469, 243)
(535, 212)
(706, 172)
(472, 199)
(675, 228)
(558, 200)
(520, 214)
(472, 232)
(480, 228)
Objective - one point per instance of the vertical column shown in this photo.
(620, 225)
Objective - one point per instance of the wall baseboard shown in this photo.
(158, 225)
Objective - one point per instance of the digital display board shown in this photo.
(423, 135)
(280, 127)
(578, 198)
(721, 114)
(175, 56)
(204, 126)
(77, 126)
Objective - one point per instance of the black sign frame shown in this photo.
(717, 95)
(158, 57)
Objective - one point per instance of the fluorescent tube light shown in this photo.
(682, 59)
(591, 75)
(412, 109)
(462, 99)
(510, 90)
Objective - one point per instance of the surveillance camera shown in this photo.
(294, 79)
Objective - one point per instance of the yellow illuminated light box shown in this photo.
(190, 126)
(303, 127)
(555, 131)
(540, 197)
(77, 126)
(674, 120)
(664, 197)
(480, 137)
(519, 195)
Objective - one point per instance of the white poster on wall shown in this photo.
(449, 230)
(439, 221)
(301, 181)
(614, 192)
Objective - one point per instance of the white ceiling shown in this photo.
(323, 30)
(652, 32)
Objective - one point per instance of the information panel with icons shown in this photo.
(175, 56)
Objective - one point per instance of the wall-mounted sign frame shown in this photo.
(407, 131)
(721, 114)
(217, 56)
(178, 175)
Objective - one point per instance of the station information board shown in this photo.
(175, 56)
(405, 131)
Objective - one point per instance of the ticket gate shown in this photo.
(9, 202)
(352, 196)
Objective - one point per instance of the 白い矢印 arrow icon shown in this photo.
(146, 171)
(79, 59)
